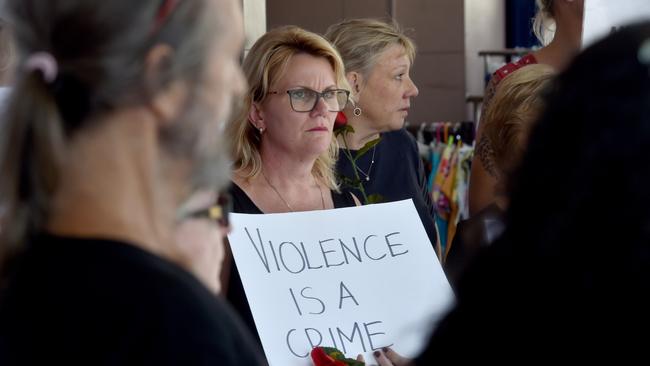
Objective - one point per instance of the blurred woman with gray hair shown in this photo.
(115, 120)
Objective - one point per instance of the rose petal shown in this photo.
(321, 358)
(341, 119)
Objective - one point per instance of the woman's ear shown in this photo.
(165, 100)
(355, 80)
(256, 117)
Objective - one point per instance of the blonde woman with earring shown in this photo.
(378, 57)
(283, 146)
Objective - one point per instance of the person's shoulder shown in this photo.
(400, 136)
(235, 190)
(203, 327)
(241, 201)
(344, 198)
(145, 296)
(400, 143)
(196, 325)
(172, 304)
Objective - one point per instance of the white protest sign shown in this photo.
(602, 17)
(357, 279)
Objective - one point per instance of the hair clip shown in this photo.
(45, 63)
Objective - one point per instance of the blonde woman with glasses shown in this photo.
(283, 146)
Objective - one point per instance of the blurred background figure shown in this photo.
(562, 21)
(573, 262)
(7, 58)
(378, 57)
(514, 109)
(105, 138)
(574, 259)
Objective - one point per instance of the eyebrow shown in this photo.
(329, 87)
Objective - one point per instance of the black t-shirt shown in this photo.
(235, 292)
(397, 174)
(103, 302)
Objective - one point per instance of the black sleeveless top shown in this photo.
(235, 292)
(243, 204)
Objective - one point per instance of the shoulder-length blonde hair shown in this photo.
(264, 65)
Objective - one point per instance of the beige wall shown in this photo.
(485, 29)
(317, 15)
(440, 66)
(436, 25)
(254, 21)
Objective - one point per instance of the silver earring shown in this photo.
(261, 130)
(357, 110)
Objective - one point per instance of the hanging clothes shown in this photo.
(450, 156)
(442, 192)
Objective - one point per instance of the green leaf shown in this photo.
(375, 198)
(343, 130)
(349, 182)
(338, 355)
(369, 145)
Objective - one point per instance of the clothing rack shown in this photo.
(476, 101)
(440, 132)
(447, 151)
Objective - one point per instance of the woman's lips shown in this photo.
(317, 129)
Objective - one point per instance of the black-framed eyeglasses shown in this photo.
(305, 100)
(219, 211)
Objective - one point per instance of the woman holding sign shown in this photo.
(283, 149)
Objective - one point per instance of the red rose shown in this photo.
(341, 120)
(329, 356)
(321, 358)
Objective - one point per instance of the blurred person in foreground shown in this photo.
(115, 121)
(570, 276)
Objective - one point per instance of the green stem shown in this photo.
(354, 169)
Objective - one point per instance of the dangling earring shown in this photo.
(357, 111)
